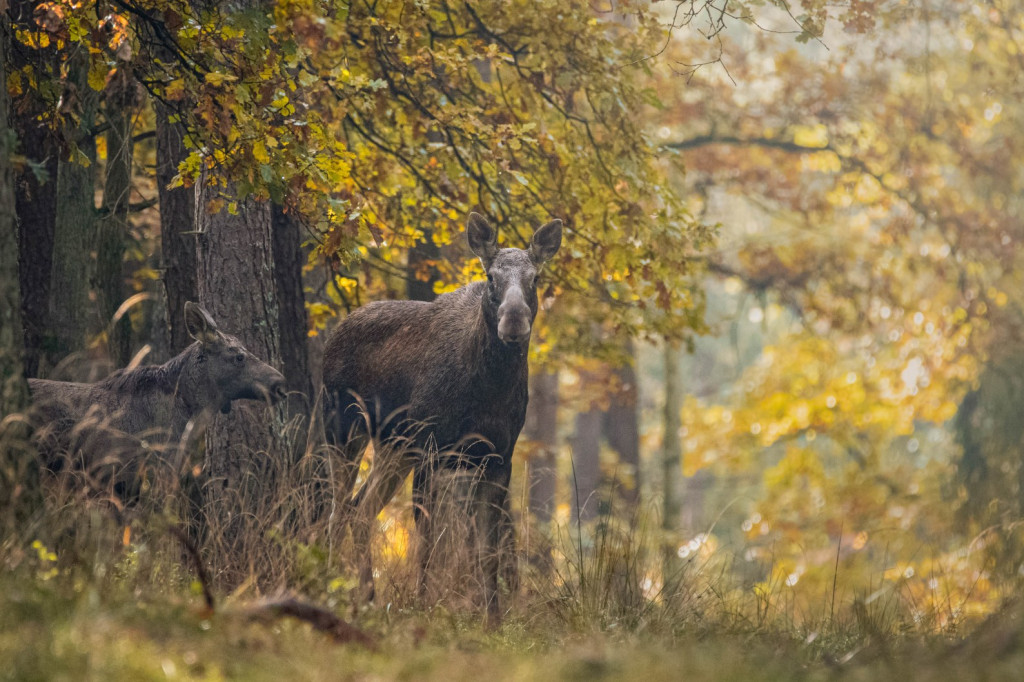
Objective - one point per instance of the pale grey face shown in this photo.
(512, 275)
(512, 288)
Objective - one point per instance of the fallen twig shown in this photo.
(320, 618)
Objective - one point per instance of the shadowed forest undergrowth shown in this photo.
(93, 589)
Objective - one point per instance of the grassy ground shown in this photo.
(121, 621)
(82, 599)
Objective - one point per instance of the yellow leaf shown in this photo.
(259, 152)
(97, 76)
(175, 89)
(14, 83)
(216, 78)
(811, 136)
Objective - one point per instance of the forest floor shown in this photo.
(66, 625)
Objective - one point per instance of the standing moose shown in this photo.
(103, 424)
(455, 370)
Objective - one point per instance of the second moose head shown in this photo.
(510, 302)
(224, 369)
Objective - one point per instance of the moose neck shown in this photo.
(184, 373)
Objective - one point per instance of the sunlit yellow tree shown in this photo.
(874, 222)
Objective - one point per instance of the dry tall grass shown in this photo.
(283, 528)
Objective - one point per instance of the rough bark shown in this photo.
(73, 236)
(293, 323)
(20, 490)
(542, 428)
(177, 238)
(13, 389)
(237, 286)
(112, 230)
(34, 188)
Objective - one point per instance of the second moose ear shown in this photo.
(545, 242)
(483, 239)
(200, 325)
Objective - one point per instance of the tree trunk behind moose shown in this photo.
(73, 237)
(34, 190)
(542, 428)
(13, 389)
(112, 229)
(621, 429)
(420, 269)
(237, 286)
(177, 241)
(293, 323)
(586, 460)
(19, 473)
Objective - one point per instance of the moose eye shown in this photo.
(239, 358)
(490, 278)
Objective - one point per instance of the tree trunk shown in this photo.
(671, 454)
(292, 321)
(112, 232)
(542, 429)
(622, 429)
(177, 241)
(73, 236)
(13, 388)
(237, 286)
(20, 488)
(34, 190)
(420, 271)
(586, 457)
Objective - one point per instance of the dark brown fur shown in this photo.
(449, 375)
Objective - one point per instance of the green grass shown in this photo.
(83, 622)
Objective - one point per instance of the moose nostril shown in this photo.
(516, 337)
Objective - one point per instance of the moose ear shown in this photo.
(545, 242)
(200, 325)
(483, 239)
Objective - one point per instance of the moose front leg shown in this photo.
(424, 510)
(490, 499)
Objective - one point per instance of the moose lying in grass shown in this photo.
(449, 375)
(110, 427)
